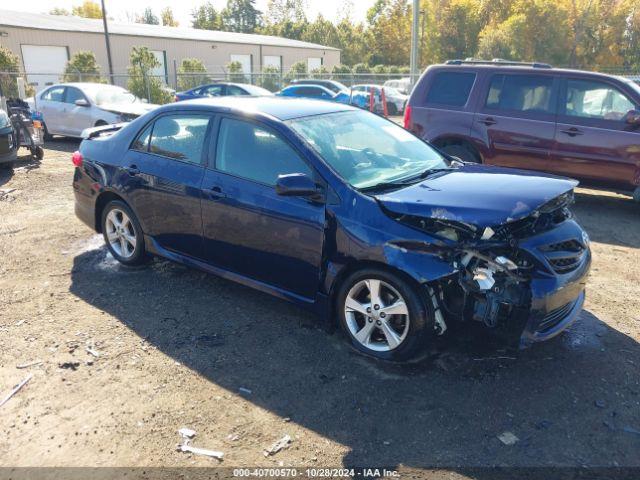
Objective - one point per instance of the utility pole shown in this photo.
(415, 30)
(106, 39)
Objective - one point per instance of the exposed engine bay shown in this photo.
(492, 271)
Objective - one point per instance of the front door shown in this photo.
(517, 120)
(593, 141)
(248, 228)
(78, 117)
(164, 170)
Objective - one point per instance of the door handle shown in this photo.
(132, 170)
(216, 192)
(572, 132)
(488, 121)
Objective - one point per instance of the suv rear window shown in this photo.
(451, 88)
(521, 93)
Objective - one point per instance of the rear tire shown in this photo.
(398, 329)
(462, 152)
(47, 136)
(123, 234)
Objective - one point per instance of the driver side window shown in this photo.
(256, 153)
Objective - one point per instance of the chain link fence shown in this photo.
(161, 88)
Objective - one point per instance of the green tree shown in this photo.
(322, 32)
(88, 9)
(241, 16)
(320, 72)
(270, 78)
(148, 17)
(285, 18)
(167, 18)
(8, 63)
(297, 70)
(353, 42)
(389, 31)
(206, 17)
(192, 73)
(141, 82)
(82, 67)
(235, 72)
(59, 11)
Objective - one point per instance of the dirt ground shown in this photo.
(129, 356)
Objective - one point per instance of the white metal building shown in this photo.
(44, 43)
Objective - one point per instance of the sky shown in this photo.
(122, 10)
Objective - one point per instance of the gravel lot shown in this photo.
(175, 347)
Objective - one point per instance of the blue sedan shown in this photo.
(221, 89)
(359, 99)
(343, 213)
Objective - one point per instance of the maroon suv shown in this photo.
(579, 124)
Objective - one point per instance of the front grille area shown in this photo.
(554, 317)
(564, 256)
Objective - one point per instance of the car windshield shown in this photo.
(108, 94)
(367, 150)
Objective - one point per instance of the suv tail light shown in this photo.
(176, 98)
(76, 159)
(407, 117)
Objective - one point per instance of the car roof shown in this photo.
(281, 108)
(496, 67)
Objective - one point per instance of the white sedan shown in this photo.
(69, 108)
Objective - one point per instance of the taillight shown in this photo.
(76, 159)
(407, 117)
(176, 98)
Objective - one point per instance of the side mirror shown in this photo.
(632, 118)
(296, 185)
(81, 102)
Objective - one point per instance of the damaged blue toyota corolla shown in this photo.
(342, 212)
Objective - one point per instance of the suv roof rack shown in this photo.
(497, 61)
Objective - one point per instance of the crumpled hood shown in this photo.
(478, 195)
(128, 108)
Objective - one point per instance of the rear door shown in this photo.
(517, 119)
(164, 171)
(592, 139)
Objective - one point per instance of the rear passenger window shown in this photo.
(451, 88)
(180, 137)
(255, 153)
(521, 93)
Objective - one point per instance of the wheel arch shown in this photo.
(103, 199)
(353, 266)
(447, 140)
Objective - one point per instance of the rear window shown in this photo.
(451, 88)
(521, 93)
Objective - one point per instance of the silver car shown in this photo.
(396, 101)
(69, 108)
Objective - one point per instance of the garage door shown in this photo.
(44, 64)
(313, 63)
(160, 71)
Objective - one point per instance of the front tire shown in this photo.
(123, 234)
(384, 315)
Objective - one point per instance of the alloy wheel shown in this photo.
(120, 233)
(376, 315)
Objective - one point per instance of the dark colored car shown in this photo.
(581, 124)
(8, 144)
(221, 90)
(342, 212)
(333, 85)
